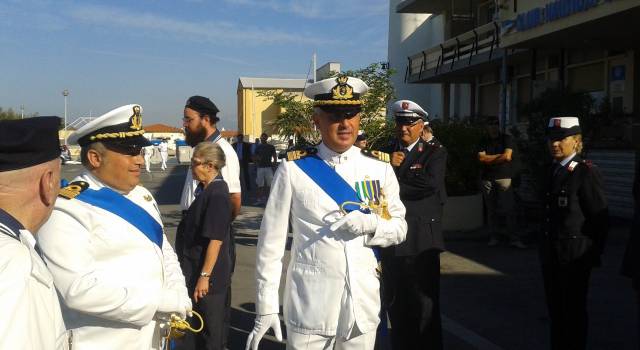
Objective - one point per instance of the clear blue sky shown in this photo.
(159, 52)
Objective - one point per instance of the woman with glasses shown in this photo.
(202, 244)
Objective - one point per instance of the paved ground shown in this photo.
(492, 298)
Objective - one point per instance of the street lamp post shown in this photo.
(21, 111)
(65, 93)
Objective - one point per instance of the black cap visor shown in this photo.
(557, 134)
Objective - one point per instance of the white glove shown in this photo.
(172, 302)
(262, 325)
(356, 223)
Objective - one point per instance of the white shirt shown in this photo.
(410, 147)
(230, 173)
(110, 276)
(31, 316)
(163, 147)
(331, 282)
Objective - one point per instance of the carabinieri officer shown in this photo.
(104, 243)
(411, 270)
(577, 225)
(331, 296)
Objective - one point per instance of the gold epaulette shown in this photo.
(381, 156)
(299, 154)
(73, 189)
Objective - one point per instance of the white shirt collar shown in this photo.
(96, 183)
(410, 147)
(27, 238)
(333, 157)
(565, 161)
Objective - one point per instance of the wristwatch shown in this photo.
(205, 274)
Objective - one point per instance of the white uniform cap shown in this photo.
(561, 127)
(121, 125)
(408, 109)
(340, 91)
(564, 122)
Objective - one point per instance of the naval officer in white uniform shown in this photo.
(29, 179)
(104, 243)
(331, 296)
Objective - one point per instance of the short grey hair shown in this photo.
(210, 152)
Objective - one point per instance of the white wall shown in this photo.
(409, 34)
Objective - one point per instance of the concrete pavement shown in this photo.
(492, 298)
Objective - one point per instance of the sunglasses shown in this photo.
(196, 162)
(127, 150)
(408, 121)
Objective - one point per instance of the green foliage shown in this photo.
(11, 114)
(461, 139)
(295, 120)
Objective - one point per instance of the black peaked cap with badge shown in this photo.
(203, 105)
(28, 142)
(121, 126)
(341, 94)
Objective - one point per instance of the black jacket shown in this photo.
(422, 191)
(631, 261)
(246, 151)
(577, 218)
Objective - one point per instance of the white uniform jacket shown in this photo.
(230, 173)
(109, 275)
(331, 282)
(29, 307)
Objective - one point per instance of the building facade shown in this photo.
(492, 58)
(255, 112)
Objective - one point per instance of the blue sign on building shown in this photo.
(551, 12)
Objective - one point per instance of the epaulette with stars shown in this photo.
(381, 156)
(299, 154)
(73, 189)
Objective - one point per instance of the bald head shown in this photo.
(29, 194)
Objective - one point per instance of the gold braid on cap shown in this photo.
(116, 135)
(337, 102)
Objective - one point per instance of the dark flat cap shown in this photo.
(203, 105)
(28, 142)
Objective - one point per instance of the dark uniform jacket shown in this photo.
(631, 262)
(576, 215)
(422, 191)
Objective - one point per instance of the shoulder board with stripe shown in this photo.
(299, 154)
(73, 189)
(381, 156)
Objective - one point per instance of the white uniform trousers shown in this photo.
(299, 341)
(164, 156)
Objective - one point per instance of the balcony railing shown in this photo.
(457, 50)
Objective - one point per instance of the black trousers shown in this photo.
(566, 287)
(244, 174)
(215, 309)
(412, 298)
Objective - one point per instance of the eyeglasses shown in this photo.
(196, 162)
(127, 150)
(408, 122)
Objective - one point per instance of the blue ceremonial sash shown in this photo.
(332, 184)
(117, 204)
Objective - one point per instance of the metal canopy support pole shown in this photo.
(503, 92)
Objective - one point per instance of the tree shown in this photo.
(295, 118)
(11, 114)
